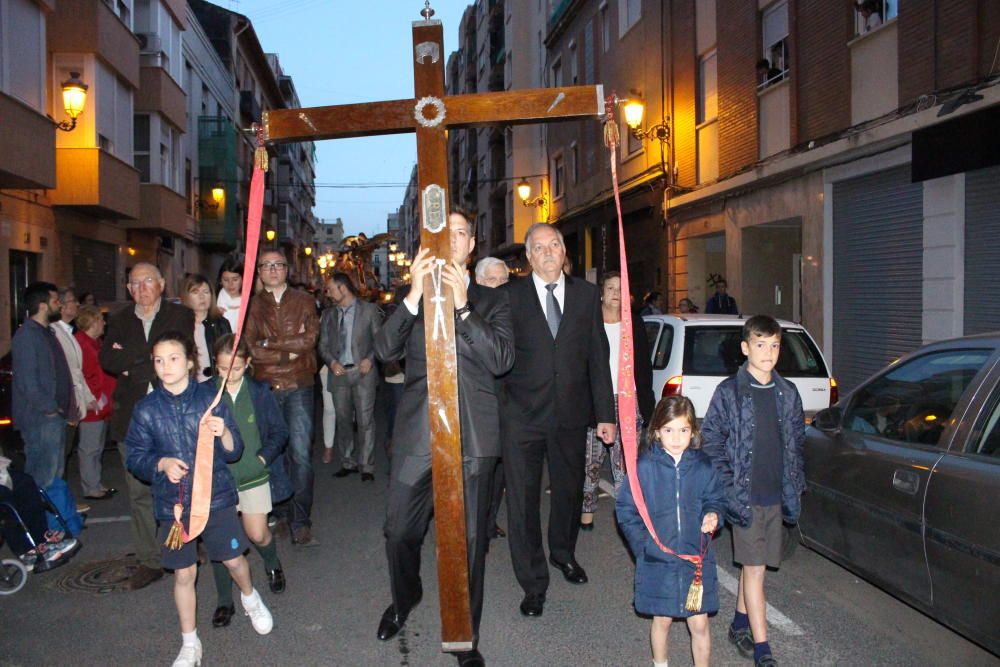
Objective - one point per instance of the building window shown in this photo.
(869, 14)
(23, 53)
(140, 141)
(773, 65)
(557, 79)
(629, 13)
(707, 114)
(558, 176)
(605, 28)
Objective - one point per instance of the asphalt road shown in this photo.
(821, 614)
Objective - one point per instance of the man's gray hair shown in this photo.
(538, 225)
(153, 267)
(483, 265)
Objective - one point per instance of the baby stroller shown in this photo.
(55, 551)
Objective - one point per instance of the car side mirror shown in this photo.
(829, 419)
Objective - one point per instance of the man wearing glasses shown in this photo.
(282, 329)
(126, 353)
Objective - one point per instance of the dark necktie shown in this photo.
(552, 312)
(342, 342)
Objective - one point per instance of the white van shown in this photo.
(693, 353)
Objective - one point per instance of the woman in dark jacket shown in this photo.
(611, 311)
(209, 324)
(685, 501)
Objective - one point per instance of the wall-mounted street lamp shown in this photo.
(269, 235)
(218, 194)
(633, 110)
(308, 250)
(524, 192)
(74, 93)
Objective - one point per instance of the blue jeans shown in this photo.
(297, 407)
(44, 448)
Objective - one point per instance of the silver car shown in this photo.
(903, 481)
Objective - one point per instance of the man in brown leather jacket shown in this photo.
(282, 329)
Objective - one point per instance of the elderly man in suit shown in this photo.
(347, 347)
(560, 385)
(126, 353)
(484, 344)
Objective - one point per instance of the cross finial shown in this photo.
(427, 12)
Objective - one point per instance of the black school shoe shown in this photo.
(766, 660)
(276, 580)
(223, 616)
(742, 640)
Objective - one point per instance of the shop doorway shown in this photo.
(771, 283)
(706, 259)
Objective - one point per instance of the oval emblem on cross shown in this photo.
(434, 208)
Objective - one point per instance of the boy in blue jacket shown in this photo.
(753, 432)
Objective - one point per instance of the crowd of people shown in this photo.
(538, 373)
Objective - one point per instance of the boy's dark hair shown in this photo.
(36, 294)
(667, 410)
(470, 218)
(184, 340)
(762, 326)
(224, 345)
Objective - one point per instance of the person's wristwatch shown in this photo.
(467, 308)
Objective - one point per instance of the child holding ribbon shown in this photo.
(162, 446)
(684, 499)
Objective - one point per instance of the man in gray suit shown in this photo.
(346, 345)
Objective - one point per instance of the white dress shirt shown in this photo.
(543, 293)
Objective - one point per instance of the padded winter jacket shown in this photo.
(167, 425)
(727, 434)
(678, 496)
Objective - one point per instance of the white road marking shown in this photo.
(109, 519)
(774, 617)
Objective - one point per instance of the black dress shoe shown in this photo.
(276, 580)
(532, 605)
(391, 624)
(471, 658)
(107, 494)
(223, 616)
(344, 472)
(587, 526)
(367, 477)
(572, 571)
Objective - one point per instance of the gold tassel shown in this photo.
(696, 591)
(611, 137)
(260, 158)
(175, 538)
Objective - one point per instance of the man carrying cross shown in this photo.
(485, 348)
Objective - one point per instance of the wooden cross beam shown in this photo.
(430, 114)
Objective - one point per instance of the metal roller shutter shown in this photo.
(94, 268)
(877, 272)
(982, 252)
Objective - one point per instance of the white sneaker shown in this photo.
(190, 656)
(260, 616)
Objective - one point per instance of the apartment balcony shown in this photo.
(27, 147)
(86, 26)
(249, 107)
(161, 209)
(96, 182)
(158, 93)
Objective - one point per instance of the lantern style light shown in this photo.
(269, 234)
(308, 250)
(74, 92)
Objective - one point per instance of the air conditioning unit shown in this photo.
(149, 42)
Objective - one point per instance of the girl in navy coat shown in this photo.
(685, 500)
(161, 444)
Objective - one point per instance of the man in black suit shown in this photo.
(485, 347)
(560, 385)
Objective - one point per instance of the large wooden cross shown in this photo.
(430, 114)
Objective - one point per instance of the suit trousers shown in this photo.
(354, 400)
(524, 450)
(408, 513)
(140, 499)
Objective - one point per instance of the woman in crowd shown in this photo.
(209, 324)
(94, 425)
(230, 286)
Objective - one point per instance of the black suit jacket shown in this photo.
(485, 348)
(134, 357)
(566, 382)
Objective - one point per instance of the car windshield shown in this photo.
(716, 350)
